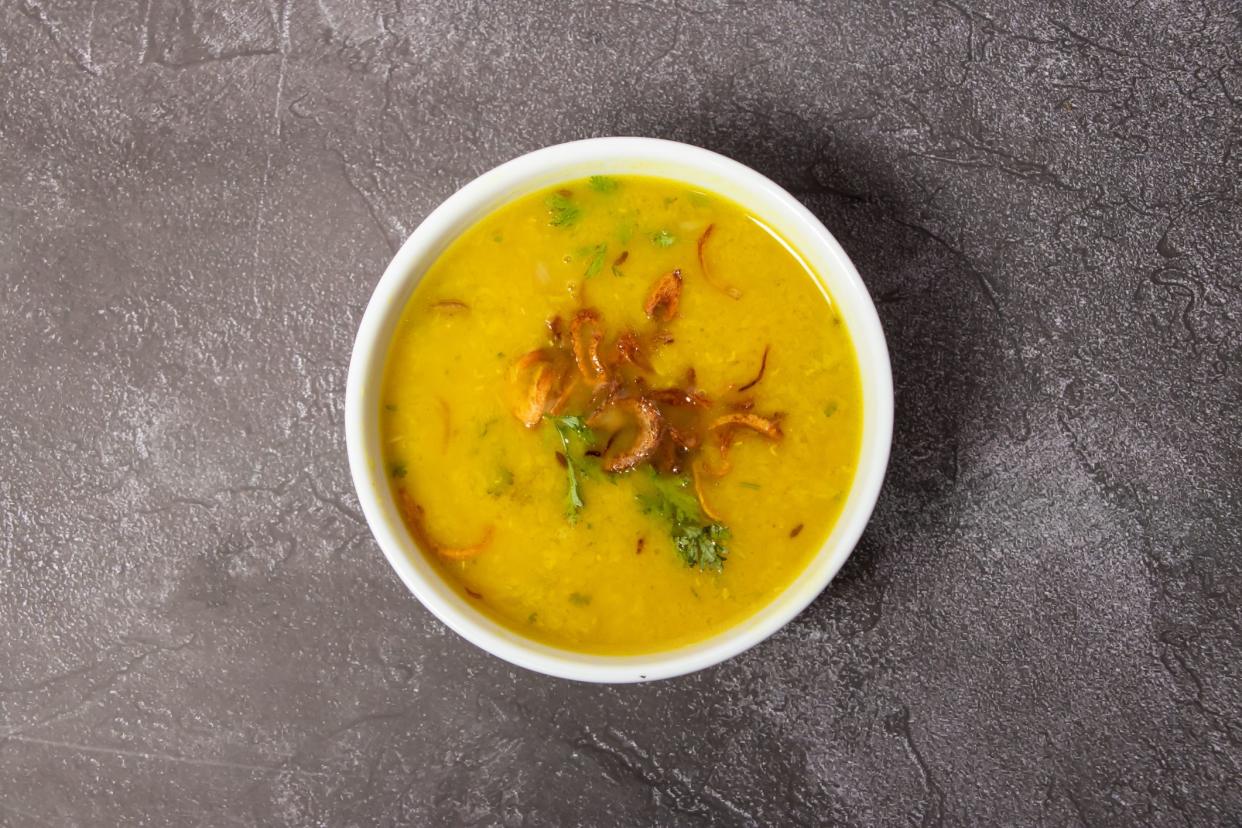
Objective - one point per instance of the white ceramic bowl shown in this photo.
(613, 156)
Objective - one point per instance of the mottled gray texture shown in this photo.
(1043, 623)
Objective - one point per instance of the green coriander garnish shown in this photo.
(699, 542)
(663, 238)
(597, 260)
(579, 600)
(830, 408)
(398, 469)
(752, 486)
(603, 183)
(563, 210)
(565, 426)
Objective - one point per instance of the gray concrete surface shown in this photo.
(1043, 624)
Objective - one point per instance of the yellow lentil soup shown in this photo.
(620, 415)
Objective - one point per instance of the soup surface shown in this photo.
(620, 415)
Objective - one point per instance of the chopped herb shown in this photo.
(504, 479)
(398, 469)
(625, 232)
(575, 424)
(663, 238)
(753, 486)
(763, 367)
(616, 271)
(532, 618)
(565, 426)
(830, 409)
(668, 202)
(579, 600)
(617, 262)
(699, 542)
(698, 199)
(564, 212)
(603, 183)
(389, 407)
(797, 530)
(597, 261)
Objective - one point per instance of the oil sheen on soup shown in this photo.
(620, 415)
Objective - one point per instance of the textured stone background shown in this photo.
(1043, 623)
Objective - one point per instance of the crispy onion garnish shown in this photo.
(556, 330)
(540, 380)
(630, 349)
(679, 397)
(728, 290)
(415, 518)
(586, 331)
(683, 438)
(465, 553)
(602, 396)
(646, 415)
(697, 474)
(569, 385)
(665, 296)
(726, 428)
(768, 427)
(763, 367)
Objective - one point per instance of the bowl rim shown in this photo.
(536, 170)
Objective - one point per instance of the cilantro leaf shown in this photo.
(575, 424)
(698, 199)
(566, 426)
(699, 542)
(563, 210)
(663, 238)
(603, 183)
(597, 260)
